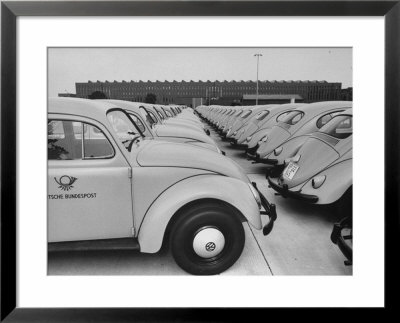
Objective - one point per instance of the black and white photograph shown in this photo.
(193, 160)
(200, 161)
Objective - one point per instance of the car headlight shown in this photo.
(256, 195)
(248, 138)
(235, 133)
(264, 139)
(278, 151)
(318, 181)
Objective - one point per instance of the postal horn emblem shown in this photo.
(65, 182)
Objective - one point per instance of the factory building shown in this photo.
(204, 92)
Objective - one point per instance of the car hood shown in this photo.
(315, 155)
(153, 153)
(182, 132)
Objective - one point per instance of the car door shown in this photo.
(89, 182)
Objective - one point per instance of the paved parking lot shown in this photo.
(299, 244)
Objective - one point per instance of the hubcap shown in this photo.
(208, 242)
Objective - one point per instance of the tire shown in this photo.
(207, 239)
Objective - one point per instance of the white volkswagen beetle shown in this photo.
(144, 118)
(253, 135)
(291, 147)
(303, 120)
(321, 172)
(165, 120)
(116, 187)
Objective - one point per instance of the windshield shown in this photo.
(149, 117)
(167, 113)
(262, 115)
(246, 114)
(339, 127)
(126, 131)
(160, 114)
(293, 117)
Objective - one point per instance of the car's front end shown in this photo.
(214, 177)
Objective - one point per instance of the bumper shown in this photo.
(234, 142)
(270, 211)
(340, 240)
(285, 192)
(252, 153)
(269, 161)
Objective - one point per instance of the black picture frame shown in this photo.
(10, 11)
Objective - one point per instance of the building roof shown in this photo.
(272, 97)
(217, 81)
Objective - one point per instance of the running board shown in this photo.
(103, 244)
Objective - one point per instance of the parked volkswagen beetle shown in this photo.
(143, 117)
(304, 120)
(164, 119)
(322, 170)
(290, 148)
(245, 118)
(252, 122)
(253, 136)
(119, 187)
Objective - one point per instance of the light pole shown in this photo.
(258, 58)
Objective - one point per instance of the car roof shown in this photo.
(315, 108)
(134, 106)
(94, 109)
(347, 112)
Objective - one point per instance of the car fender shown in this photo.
(289, 148)
(257, 136)
(334, 186)
(230, 190)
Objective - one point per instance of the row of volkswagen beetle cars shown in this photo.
(143, 176)
(307, 146)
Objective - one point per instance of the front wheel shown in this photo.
(207, 239)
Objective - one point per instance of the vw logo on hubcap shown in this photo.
(208, 242)
(210, 246)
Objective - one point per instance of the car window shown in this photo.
(167, 112)
(339, 127)
(160, 115)
(323, 120)
(55, 130)
(326, 118)
(153, 116)
(95, 143)
(138, 122)
(65, 141)
(261, 116)
(246, 114)
(293, 117)
(282, 116)
(123, 127)
(150, 118)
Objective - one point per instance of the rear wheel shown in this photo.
(207, 239)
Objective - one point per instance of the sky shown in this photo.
(69, 65)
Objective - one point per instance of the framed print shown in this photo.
(147, 104)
